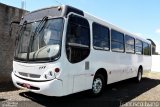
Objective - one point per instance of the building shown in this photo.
(7, 42)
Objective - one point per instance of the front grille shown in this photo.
(23, 74)
(34, 76)
(29, 75)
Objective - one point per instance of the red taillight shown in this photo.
(57, 70)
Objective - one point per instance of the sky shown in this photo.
(141, 17)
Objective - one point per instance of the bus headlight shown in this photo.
(49, 75)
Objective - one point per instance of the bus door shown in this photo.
(78, 50)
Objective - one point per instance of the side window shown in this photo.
(117, 41)
(77, 39)
(101, 37)
(146, 49)
(138, 46)
(129, 43)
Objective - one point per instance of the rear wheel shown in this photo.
(98, 85)
(139, 76)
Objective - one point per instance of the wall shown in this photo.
(7, 14)
(156, 63)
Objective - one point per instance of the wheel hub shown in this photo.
(97, 85)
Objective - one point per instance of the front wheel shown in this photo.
(98, 85)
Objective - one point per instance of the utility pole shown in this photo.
(23, 4)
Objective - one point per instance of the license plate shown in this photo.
(26, 85)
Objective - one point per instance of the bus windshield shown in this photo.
(40, 41)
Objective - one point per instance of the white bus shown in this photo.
(63, 50)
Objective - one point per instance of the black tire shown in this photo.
(98, 80)
(138, 78)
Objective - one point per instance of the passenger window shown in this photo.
(129, 43)
(146, 49)
(100, 37)
(117, 41)
(78, 39)
(139, 49)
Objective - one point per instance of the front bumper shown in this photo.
(50, 88)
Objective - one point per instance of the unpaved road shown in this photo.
(114, 95)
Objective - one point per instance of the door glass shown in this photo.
(78, 39)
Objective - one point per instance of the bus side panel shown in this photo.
(147, 64)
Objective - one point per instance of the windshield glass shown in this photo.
(40, 41)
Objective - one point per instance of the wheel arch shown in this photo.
(103, 72)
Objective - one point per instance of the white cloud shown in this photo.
(158, 30)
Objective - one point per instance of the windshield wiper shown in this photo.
(38, 29)
(23, 27)
(20, 33)
(40, 25)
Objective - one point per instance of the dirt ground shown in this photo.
(114, 95)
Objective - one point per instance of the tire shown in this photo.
(98, 85)
(139, 76)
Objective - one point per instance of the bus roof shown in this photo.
(55, 11)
